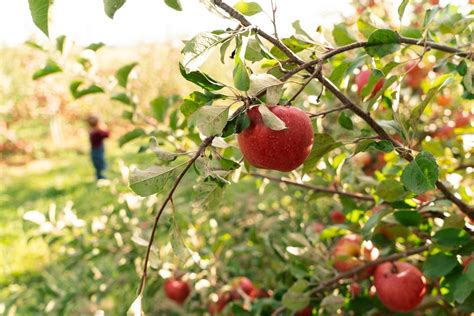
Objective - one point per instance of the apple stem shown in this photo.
(394, 267)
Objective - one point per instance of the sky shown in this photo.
(138, 21)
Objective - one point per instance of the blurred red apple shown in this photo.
(400, 285)
(337, 217)
(283, 150)
(462, 119)
(258, 293)
(317, 227)
(351, 252)
(307, 311)
(362, 79)
(415, 74)
(355, 289)
(222, 300)
(444, 100)
(444, 132)
(177, 290)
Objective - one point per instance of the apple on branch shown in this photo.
(284, 149)
(362, 79)
(400, 285)
(177, 290)
(351, 251)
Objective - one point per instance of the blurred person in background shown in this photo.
(98, 132)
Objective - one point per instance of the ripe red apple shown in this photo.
(177, 290)
(350, 252)
(307, 311)
(415, 74)
(355, 289)
(283, 150)
(317, 227)
(434, 2)
(362, 159)
(400, 285)
(244, 284)
(362, 79)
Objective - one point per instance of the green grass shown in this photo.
(65, 176)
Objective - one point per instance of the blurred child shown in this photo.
(97, 134)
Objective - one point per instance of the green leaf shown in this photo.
(373, 221)
(341, 35)
(385, 86)
(159, 106)
(123, 73)
(136, 308)
(469, 271)
(76, 93)
(462, 68)
(248, 8)
(152, 180)
(375, 76)
(95, 46)
(197, 50)
(39, 10)
(436, 86)
(339, 72)
(462, 289)
(439, 265)
(174, 4)
(382, 43)
(322, 144)
(162, 154)
(345, 121)
(365, 28)
(261, 82)
(137, 132)
(270, 120)
(429, 15)
(451, 237)
(200, 79)
(211, 120)
(123, 98)
(383, 145)
(407, 217)
(111, 7)
(295, 299)
(241, 75)
(401, 8)
(50, 68)
(60, 40)
(237, 125)
(390, 190)
(421, 174)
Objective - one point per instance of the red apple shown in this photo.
(338, 217)
(444, 100)
(362, 79)
(444, 132)
(415, 74)
(400, 285)
(462, 119)
(355, 289)
(362, 159)
(350, 252)
(177, 290)
(434, 2)
(222, 300)
(283, 150)
(307, 311)
(258, 293)
(244, 283)
(317, 227)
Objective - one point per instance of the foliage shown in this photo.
(387, 162)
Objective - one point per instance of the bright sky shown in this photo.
(84, 21)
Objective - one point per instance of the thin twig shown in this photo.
(308, 80)
(274, 9)
(314, 188)
(199, 152)
(324, 113)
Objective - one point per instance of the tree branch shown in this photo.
(323, 285)
(403, 152)
(199, 152)
(324, 113)
(308, 80)
(315, 188)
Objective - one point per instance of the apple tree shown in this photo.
(363, 133)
